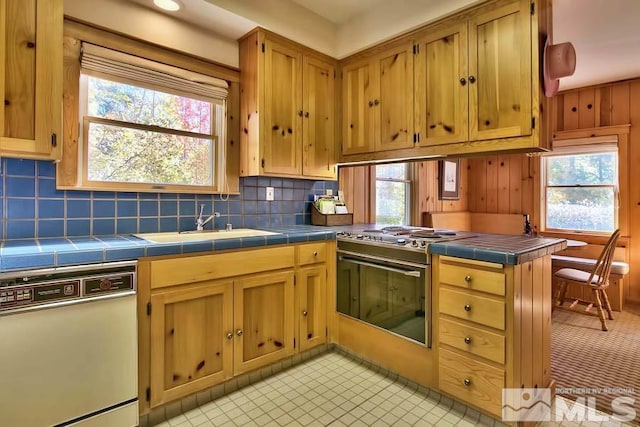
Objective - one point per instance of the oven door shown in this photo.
(393, 295)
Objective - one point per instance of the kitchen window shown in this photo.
(581, 186)
(146, 125)
(393, 193)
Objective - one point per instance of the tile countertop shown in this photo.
(48, 253)
(499, 248)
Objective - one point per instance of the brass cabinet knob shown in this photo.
(229, 335)
(472, 79)
(305, 313)
(376, 102)
(467, 382)
(315, 253)
(467, 278)
(370, 103)
(239, 332)
(463, 81)
(467, 307)
(467, 340)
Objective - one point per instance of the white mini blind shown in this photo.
(108, 62)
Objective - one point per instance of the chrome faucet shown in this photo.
(200, 223)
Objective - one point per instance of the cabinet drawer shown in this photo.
(311, 253)
(475, 308)
(473, 340)
(176, 271)
(471, 381)
(472, 278)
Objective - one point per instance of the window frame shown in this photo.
(69, 169)
(409, 188)
(85, 120)
(592, 144)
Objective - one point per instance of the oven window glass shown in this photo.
(393, 300)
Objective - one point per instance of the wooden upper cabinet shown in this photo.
(31, 78)
(500, 72)
(282, 110)
(287, 109)
(263, 320)
(357, 113)
(442, 95)
(190, 347)
(318, 123)
(393, 105)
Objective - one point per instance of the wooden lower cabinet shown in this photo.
(311, 306)
(190, 349)
(492, 328)
(263, 320)
(202, 322)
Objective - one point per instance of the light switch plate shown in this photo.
(270, 194)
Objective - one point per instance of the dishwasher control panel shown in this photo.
(40, 288)
(26, 295)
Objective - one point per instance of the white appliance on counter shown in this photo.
(68, 347)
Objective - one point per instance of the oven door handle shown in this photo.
(413, 273)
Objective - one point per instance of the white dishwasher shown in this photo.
(68, 347)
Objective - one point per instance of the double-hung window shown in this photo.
(149, 126)
(393, 193)
(581, 186)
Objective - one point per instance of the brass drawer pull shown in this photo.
(315, 253)
(467, 382)
(305, 313)
(467, 340)
(239, 332)
(229, 335)
(467, 279)
(467, 307)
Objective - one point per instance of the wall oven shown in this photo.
(385, 284)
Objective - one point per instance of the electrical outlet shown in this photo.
(329, 192)
(270, 194)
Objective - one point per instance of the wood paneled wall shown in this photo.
(510, 183)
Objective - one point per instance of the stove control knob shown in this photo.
(414, 243)
(401, 241)
(360, 236)
(423, 244)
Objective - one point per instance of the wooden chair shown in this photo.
(597, 280)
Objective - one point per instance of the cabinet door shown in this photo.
(311, 284)
(318, 121)
(357, 108)
(393, 107)
(442, 95)
(282, 110)
(190, 345)
(263, 320)
(500, 72)
(31, 78)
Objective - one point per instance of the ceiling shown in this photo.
(606, 39)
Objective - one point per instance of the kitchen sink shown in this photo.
(193, 236)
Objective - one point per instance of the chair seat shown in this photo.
(577, 276)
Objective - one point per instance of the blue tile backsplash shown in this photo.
(32, 207)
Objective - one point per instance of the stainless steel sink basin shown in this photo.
(194, 236)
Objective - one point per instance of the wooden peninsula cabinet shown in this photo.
(31, 79)
(469, 83)
(492, 328)
(204, 319)
(378, 101)
(287, 109)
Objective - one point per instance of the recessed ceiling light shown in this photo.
(169, 5)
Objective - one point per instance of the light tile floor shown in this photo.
(335, 390)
